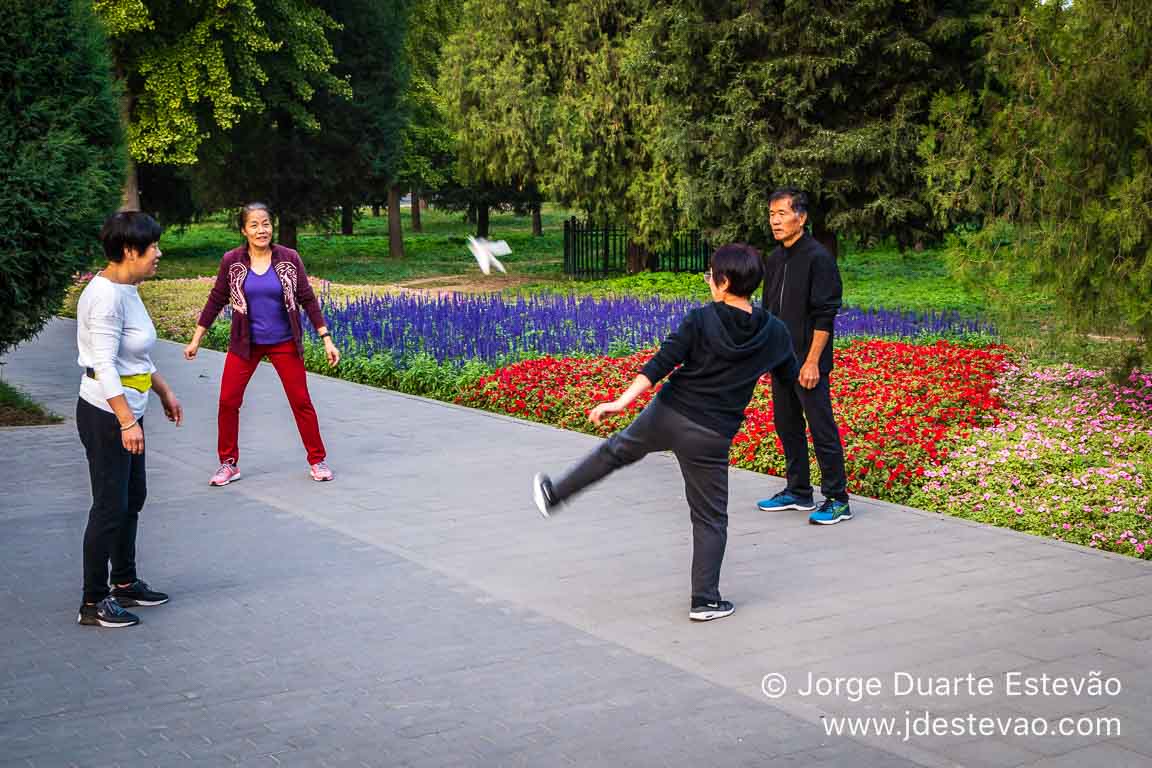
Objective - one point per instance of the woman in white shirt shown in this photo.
(115, 335)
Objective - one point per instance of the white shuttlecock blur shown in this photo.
(486, 252)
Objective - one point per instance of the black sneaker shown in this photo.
(138, 593)
(544, 494)
(106, 613)
(710, 611)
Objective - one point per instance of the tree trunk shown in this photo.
(347, 219)
(537, 225)
(482, 220)
(395, 230)
(130, 199)
(415, 207)
(288, 232)
(376, 210)
(828, 239)
(637, 258)
(470, 214)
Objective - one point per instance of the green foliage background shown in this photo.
(1047, 170)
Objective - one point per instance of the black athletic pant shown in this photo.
(792, 405)
(118, 493)
(703, 457)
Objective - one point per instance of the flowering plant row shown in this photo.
(901, 407)
(1067, 459)
(498, 330)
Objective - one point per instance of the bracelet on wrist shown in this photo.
(134, 423)
(326, 335)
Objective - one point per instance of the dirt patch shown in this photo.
(1126, 339)
(454, 284)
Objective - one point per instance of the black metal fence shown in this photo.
(591, 251)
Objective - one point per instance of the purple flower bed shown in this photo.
(495, 330)
(888, 323)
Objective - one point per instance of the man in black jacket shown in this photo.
(802, 287)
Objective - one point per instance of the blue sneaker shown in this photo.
(832, 511)
(785, 500)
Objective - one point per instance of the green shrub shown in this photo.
(62, 155)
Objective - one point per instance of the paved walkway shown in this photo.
(417, 611)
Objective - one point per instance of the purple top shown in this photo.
(266, 309)
(228, 290)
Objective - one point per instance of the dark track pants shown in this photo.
(703, 457)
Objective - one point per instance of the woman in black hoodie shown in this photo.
(722, 349)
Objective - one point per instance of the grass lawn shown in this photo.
(18, 410)
(883, 278)
(363, 257)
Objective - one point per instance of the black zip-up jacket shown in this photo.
(722, 352)
(802, 287)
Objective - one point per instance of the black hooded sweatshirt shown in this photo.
(722, 352)
(802, 287)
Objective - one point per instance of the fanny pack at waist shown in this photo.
(141, 382)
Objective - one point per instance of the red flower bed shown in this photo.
(900, 406)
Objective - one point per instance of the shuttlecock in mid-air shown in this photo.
(486, 252)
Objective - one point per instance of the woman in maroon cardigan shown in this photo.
(267, 287)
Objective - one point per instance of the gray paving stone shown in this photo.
(1097, 754)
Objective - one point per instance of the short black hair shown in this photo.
(741, 265)
(798, 197)
(128, 229)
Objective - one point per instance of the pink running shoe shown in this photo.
(227, 473)
(320, 472)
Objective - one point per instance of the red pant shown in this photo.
(238, 371)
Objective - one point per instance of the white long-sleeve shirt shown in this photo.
(115, 336)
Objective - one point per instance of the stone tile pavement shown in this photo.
(418, 612)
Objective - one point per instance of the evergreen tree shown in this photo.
(1053, 156)
(61, 156)
(609, 152)
(497, 87)
(828, 95)
(551, 99)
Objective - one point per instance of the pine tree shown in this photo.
(827, 95)
(496, 88)
(550, 98)
(609, 150)
(61, 156)
(1053, 156)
